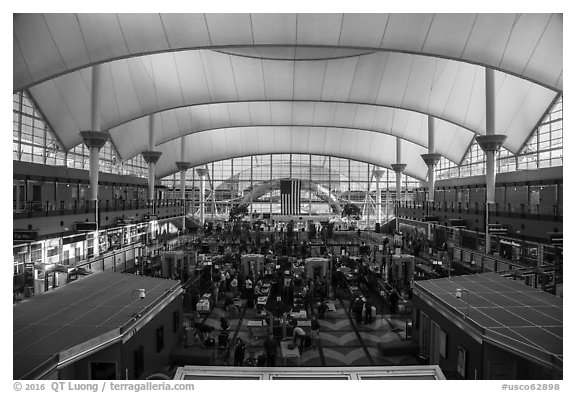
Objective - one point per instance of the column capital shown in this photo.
(398, 168)
(431, 158)
(183, 165)
(491, 142)
(94, 138)
(151, 156)
(201, 172)
(378, 174)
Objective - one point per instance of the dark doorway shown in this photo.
(103, 370)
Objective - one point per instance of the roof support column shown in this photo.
(183, 167)
(202, 172)
(151, 156)
(95, 138)
(431, 159)
(378, 174)
(490, 143)
(398, 168)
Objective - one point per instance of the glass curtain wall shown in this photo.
(326, 183)
(543, 149)
(34, 141)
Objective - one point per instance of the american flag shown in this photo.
(290, 197)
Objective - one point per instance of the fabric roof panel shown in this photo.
(363, 30)
(406, 32)
(246, 112)
(449, 34)
(274, 28)
(116, 83)
(19, 63)
(280, 112)
(309, 80)
(364, 117)
(314, 28)
(36, 44)
(143, 32)
(344, 116)
(465, 89)
(191, 73)
(302, 114)
(141, 72)
(523, 40)
(102, 36)
(219, 115)
(369, 72)
(76, 106)
(324, 112)
(420, 82)
(229, 28)
(185, 30)
(166, 82)
(394, 79)
(527, 39)
(339, 77)
(525, 103)
(203, 147)
(219, 76)
(68, 38)
(549, 47)
(248, 78)
(278, 76)
(488, 39)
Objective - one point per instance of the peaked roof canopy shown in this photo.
(336, 84)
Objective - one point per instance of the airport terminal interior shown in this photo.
(288, 196)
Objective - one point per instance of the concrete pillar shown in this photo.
(431, 158)
(490, 144)
(94, 138)
(398, 168)
(202, 172)
(378, 174)
(151, 156)
(182, 167)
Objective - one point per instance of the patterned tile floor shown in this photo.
(342, 342)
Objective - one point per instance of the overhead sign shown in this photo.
(124, 220)
(150, 217)
(556, 238)
(24, 236)
(86, 226)
(496, 229)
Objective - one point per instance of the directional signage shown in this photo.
(150, 217)
(556, 238)
(24, 236)
(124, 220)
(496, 229)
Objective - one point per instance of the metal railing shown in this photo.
(496, 209)
(82, 206)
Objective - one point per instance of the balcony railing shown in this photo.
(521, 210)
(84, 206)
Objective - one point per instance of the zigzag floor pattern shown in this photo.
(342, 342)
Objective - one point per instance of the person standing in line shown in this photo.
(357, 308)
(234, 286)
(315, 330)
(394, 297)
(368, 305)
(249, 291)
(298, 338)
(271, 349)
(239, 352)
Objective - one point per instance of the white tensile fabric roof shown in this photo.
(343, 85)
